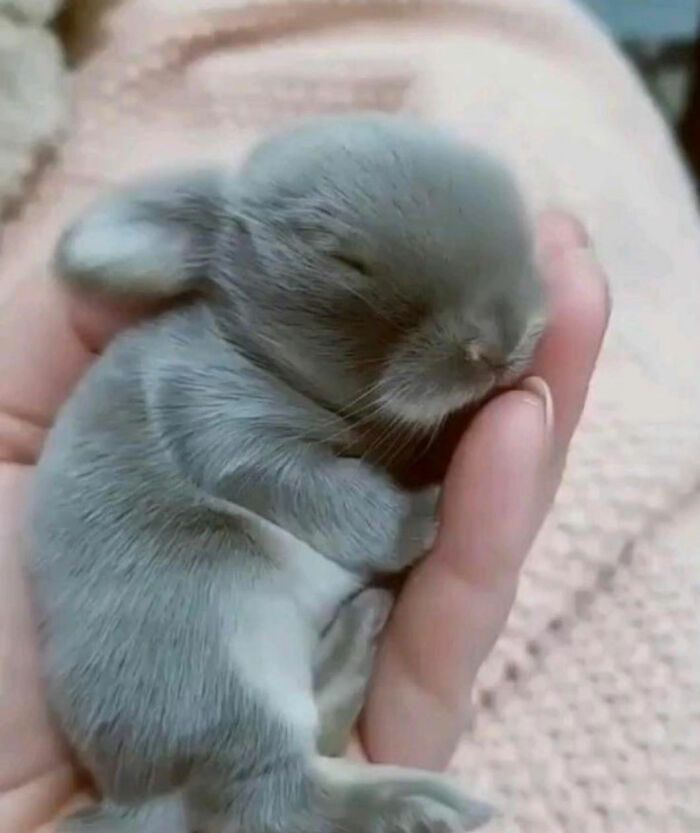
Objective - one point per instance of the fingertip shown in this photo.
(513, 413)
(580, 305)
(567, 252)
(559, 231)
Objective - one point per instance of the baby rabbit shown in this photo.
(209, 513)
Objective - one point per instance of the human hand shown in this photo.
(499, 486)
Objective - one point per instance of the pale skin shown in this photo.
(452, 608)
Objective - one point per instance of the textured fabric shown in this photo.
(588, 709)
(38, 12)
(32, 91)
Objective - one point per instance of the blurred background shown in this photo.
(661, 39)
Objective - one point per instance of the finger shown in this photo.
(429, 695)
(579, 308)
(47, 340)
(454, 604)
(579, 312)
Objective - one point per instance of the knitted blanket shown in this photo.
(589, 708)
(32, 90)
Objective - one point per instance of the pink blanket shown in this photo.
(589, 714)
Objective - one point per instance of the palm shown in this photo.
(46, 341)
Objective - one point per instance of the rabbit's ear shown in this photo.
(151, 239)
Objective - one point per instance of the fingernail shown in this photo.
(538, 386)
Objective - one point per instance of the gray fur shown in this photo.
(209, 497)
(343, 667)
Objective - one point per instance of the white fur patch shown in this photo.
(278, 624)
